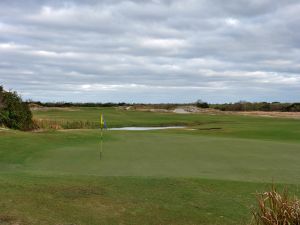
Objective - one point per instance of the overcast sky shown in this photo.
(151, 51)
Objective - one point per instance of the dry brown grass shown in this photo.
(276, 208)
(295, 115)
(42, 108)
(6, 219)
(63, 124)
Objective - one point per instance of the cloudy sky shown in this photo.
(151, 51)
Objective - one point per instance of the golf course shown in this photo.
(207, 171)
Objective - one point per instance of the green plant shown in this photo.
(14, 113)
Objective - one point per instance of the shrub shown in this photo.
(201, 104)
(14, 113)
(276, 208)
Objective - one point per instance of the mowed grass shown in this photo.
(179, 153)
(44, 200)
(182, 176)
(216, 125)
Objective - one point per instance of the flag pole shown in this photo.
(101, 140)
(102, 126)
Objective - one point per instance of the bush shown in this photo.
(14, 113)
(276, 208)
(201, 104)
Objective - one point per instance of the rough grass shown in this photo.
(48, 200)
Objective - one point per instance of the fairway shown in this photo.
(193, 175)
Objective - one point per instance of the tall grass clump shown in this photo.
(276, 208)
(64, 124)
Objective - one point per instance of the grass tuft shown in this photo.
(275, 208)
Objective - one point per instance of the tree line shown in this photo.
(237, 106)
(258, 106)
(75, 104)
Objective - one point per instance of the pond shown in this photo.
(146, 128)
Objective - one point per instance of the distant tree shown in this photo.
(1, 98)
(264, 106)
(202, 104)
(14, 113)
(258, 106)
(295, 107)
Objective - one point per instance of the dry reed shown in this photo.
(276, 208)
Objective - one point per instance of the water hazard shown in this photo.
(146, 128)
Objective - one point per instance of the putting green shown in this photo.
(179, 153)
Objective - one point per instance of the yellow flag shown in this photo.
(101, 121)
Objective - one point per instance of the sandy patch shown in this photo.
(181, 111)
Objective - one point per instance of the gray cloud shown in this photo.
(151, 51)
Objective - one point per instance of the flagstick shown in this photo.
(101, 140)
